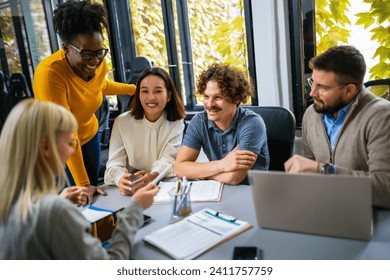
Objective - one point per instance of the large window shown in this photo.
(317, 25)
(24, 36)
(185, 37)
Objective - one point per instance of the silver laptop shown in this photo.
(313, 203)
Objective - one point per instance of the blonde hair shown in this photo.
(26, 176)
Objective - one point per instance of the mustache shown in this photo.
(214, 108)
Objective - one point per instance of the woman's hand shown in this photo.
(130, 183)
(145, 195)
(145, 178)
(91, 192)
(125, 185)
(78, 195)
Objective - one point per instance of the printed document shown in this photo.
(196, 234)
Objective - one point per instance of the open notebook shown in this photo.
(196, 234)
(201, 190)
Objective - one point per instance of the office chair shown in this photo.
(11, 94)
(379, 87)
(280, 124)
(103, 114)
(136, 67)
(4, 100)
(19, 88)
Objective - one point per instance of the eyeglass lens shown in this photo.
(90, 54)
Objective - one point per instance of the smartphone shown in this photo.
(246, 253)
(134, 178)
(147, 219)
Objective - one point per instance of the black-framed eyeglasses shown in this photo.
(323, 89)
(86, 54)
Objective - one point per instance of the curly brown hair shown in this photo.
(79, 17)
(232, 82)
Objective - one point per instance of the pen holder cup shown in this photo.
(181, 204)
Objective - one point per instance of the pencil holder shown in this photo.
(181, 204)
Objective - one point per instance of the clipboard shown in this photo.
(196, 234)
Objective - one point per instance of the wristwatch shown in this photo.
(328, 168)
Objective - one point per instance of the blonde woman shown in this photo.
(35, 222)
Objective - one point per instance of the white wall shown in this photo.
(272, 52)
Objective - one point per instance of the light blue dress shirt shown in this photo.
(333, 126)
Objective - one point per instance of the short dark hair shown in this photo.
(174, 108)
(345, 61)
(79, 17)
(232, 82)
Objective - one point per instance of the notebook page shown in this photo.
(202, 190)
(93, 214)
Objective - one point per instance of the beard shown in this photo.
(319, 107)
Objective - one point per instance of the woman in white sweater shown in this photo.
(145, 140)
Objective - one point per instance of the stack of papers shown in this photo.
(202, 190)
(196, 234)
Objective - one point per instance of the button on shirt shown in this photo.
(247, 131)
(333, 126)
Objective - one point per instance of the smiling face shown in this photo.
(219, 108)
(84, 68)
(153, 97)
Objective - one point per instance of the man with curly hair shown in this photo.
(233, 138)
(75, 78)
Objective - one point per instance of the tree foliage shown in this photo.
(377, 21)
(332, 28)
(226, 44)
(331, 23)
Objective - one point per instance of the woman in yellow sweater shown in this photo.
(75, 77)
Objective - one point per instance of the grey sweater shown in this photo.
(55, 229)
(363, 145)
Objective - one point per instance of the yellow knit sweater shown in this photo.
(54, 80)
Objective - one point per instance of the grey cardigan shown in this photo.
(363, 145)
(55, 229)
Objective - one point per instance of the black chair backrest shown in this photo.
(136, 67)
(280, 124)
(383, 92)
(103, 115)
(18, 87)
(4, 100)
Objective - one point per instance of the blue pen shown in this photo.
(217, 215)
(183, 200)
(185, 192)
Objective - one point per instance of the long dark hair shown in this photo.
(174, 107)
